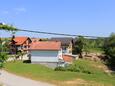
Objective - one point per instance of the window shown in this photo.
(24, 46)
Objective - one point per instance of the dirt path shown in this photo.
(9, 79)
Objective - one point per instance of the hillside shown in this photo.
(88, 73)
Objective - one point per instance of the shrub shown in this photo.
(3, 56)
(109, 49)
(75, 68)
(83, 66)
(60, 69)
(78, 68)
(1, 64)
(88, 72)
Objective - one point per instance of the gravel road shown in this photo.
(8, 79)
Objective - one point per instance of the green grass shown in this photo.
(95, 50)
(36, 71)
(98, 74)
(42, 73)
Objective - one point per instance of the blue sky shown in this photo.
(80, 17)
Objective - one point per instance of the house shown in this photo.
(19, 44)
(68, 58)
(39, 39)
(46, 52)
(66, 44)
(36, 39)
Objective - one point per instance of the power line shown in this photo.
(51, 33)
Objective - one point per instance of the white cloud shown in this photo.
(18, 10)
(21, 9)
(5, 12)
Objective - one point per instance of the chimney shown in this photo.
(13, 37)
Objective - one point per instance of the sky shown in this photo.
(79, 17)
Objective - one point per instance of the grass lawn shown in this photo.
(95, 50)
(63, 78)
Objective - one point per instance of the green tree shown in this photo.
(88, 45)
(109, 48)
(100, 42)
(7, 27)
(4, 44)
(79, 45)
(3, 56)
(4, 50)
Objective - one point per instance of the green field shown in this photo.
(61, 78)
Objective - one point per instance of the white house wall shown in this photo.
(44, 56)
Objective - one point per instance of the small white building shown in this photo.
(46, 52)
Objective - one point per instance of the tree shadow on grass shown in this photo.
(112, 68)
(27, 61)
(110, 63)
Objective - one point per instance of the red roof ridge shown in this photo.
(45, 45)
(20, 39)
(67, 58)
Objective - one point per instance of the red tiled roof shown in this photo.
(35, 39)
(45, 45)
(20, 40)
(67, 58)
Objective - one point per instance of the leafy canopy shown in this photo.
(110, 49)
(78, 47)
(4, 44)
(8, 28)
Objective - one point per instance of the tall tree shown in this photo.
(4, 44)
(7, 27)
(110, 49)
(78, 48)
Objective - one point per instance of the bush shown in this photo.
(27, 61)
(3, 56)
(1, 64)
(73, 68)
(87, 71)
(60, 69)
(78, 68)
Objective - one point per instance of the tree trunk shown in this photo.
(80, 55)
